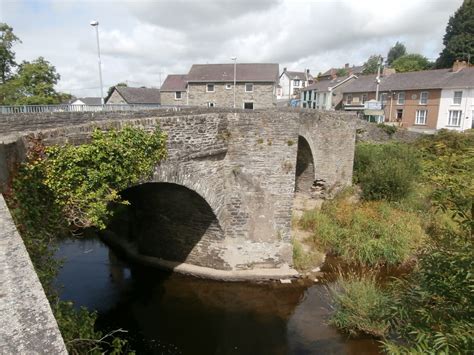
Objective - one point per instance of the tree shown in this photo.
(397, 51)
(342, 72)
(33, 84)
(411, 62)
(372, 64)
(459, 38)
(111, 89)
(7, 55)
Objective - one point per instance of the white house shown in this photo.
(325, 94)
(456, 106)
(291, 82)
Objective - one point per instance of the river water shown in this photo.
(167, 313)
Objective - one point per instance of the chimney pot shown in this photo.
(284, 69)
(346, 65)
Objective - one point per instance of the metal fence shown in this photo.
(81, 108)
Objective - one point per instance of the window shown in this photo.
(304, 96)
(324, 100)
(364, 98)
(210, 88)
(420, 117)
(248, 87)
(454, 118)
(309, 95)
(228, 86)
(349, 99)
(424, 98)
(304, 104)
(248, 105)
(383, 97)
(401, 98)
(177, 95)
(399, 115)
(314, 104)
(211, 104)
(457, 98)
(296, 82)
(317, 98)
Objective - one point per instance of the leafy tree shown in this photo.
(33, 85)
(459, 38)
(7, 55)
(342, 72)
(372, 64)
(397, 51)
(111, 89)
(411, 62)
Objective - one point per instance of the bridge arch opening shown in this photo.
(304, 167)
(170, 222)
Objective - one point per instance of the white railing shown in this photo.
(81, 108)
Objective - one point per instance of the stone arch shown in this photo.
(171, 222)
(305, 166)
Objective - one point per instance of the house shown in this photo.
(325, 94)
(174, 90)
(133, 96)
(423, 100)
(89, 101)
(212, 85)
(291, 82)
(347, 70)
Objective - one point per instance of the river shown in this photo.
(168, 313)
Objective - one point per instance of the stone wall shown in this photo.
(116, 98)
(168, 98)
(263, 95)
(242, 164)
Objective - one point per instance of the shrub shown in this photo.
(385, 171)
(361, 306)
(390, 130)
(370, 233)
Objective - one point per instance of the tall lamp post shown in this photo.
(235, 72)
(96, 25)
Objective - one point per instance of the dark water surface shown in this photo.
(168, 313)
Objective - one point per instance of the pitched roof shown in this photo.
(324, 85)
(355, 69)
(301, 75)
(419, 80)
(251, 72)
(174, 82)
(88, 100)
(139, 95)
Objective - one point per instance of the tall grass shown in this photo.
(370, 233)
(360, 305)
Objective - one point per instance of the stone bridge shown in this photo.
(221, 204)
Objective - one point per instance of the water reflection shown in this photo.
(173, 314)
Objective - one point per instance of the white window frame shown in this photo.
(211, 104)
(176, 95)
(424, 101)
(228, 86)
(348, 101)
(451, 118)
(213, 88)
(420, 119)
(383, 97)
(401, 98)
(296, 82)
(455, 99)
(245, 87)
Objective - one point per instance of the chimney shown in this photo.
(457, 66)
(284, 69)
(307, 71)
(346, 66)
(333, 73)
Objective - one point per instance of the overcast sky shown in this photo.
(141, 38)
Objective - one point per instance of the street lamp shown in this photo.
(96, 25)
(235, 71)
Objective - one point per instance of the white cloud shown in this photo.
(140, 39)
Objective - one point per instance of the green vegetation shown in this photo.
(431, 310)
(32, 83)
(390, 130)
(459, 38)
(372, 64)
(411, 62)
(361, 306)
(385, 171)
(397, 51)
(369, 233)
(59, 188)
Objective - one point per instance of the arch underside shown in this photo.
(305, 173)
(170, 222)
